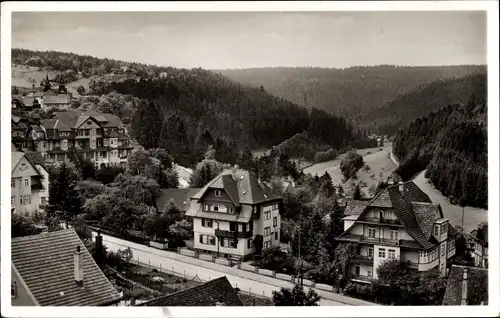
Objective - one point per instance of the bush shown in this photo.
(351, 164)
(322, 156)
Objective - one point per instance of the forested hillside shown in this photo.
(351, 92)
(184, 111)
(451, 144)
(422, 100)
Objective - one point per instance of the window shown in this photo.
(371, 231)
(267, 215)
(275, 206)
(240, 227)
(357, 270)
(392, 254)
(26, 182)
(441, 267)
(103, 154)
(444, 229)
(370, 252)
(205, 207)
(13, 183)
(381, 214)
(381, 253)
(207, 239)
(275, 221)
(218, 193)
(267, 244)
(13, 290)
(89, 122)
(276, 235)
(394, 235)
(232, 227)
(370, 271)
(206, 223)
(249, 243)
(12, 201)
(436, 230)
(267, 230)
(443, 248)
(44, 200)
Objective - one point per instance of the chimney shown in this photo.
(78, 266)
(98, 248)
(235, 167)
(401, 188)
(464, 288)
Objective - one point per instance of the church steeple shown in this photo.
(62, 87)
(46, 86)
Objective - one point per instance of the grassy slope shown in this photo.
(377, 160)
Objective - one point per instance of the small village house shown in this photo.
(28, 183)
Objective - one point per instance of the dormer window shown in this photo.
(436, 230)
(218, 193)
(444, 228)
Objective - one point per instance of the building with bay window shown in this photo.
(231, 211)
(400, 222)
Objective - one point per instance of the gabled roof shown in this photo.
(180, 197)
(71, 117)
(46, 264)
(208, 294)
(241, 186)
(36, 158)
(412, 207)
(481, 234)
(355, 207)
(477, 286)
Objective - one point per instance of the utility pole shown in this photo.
(300, 264)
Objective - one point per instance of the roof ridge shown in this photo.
(44, 234)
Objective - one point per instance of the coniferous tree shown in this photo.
(64, 201)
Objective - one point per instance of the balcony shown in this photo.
(380, 221)
(363, 259)
(233, 234)
(362, 279)
(367, 239)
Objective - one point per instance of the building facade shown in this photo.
(400, 222)
(231, 211)
(27, 183)
(478, 245)
(99, 137)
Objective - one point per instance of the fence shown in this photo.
(191, 281)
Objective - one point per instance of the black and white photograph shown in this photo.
(250, 157)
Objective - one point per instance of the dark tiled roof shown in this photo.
(242, 188)
(46, 264)
(180, 197)
(207, 294)
(477, 286)
(426, 214)
(105, 120)
(36, 158)
(355, 207)
(414, 210)
(404, 212)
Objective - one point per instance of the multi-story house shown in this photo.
(26, 184)
(478, 240)
(99, 137)
(400, 222)
(231, 211)
(37, 159)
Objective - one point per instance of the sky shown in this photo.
(224, 40)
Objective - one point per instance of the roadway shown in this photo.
(246, 281)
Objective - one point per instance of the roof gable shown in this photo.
(241, 186)
(17, 161)
(46, 264)
(207, 294)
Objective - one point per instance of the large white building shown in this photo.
(231, 211)
(400, 222)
